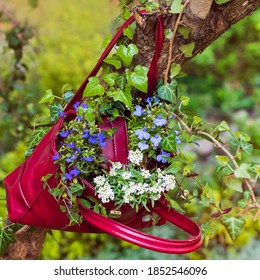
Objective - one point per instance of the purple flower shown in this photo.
(149, 100)
(71, 145)
(93, 139)
(142, 134)
(159, 121)
(71, 159)
(161, 157)
(61, 114)
(75, 172)
(178, 140)
(85, 134)
(84, 107)
(143, 146)
(88, 159)
(79, 118)
(76, 106)
(65, 134)
(68, 176)
(156, 140)
(56, 157)
(138, 111)
(101, 139)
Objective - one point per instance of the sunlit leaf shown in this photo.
(233, 225)
(127, 53)
(232, 182)
(48, 97)
(94, 88)
(187, 49)
(138, 78)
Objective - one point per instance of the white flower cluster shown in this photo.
(136, 157)
(104, 190)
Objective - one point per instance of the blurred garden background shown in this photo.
(46, 44)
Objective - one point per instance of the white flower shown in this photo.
(112, 172)
(99, 181)
(136, 157)
(145, 173)
(126, 175)
(105, 193)
(117, 165)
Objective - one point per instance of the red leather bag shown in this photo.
(30, 203)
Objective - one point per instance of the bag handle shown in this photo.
(152, 73)
(145, 240)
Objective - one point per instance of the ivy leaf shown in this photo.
(243, 136)
(123, 96)
(246, 147)
(54, 111)
(232, 182)
(36, 137)
(233, 225)
(114, 60)
(129, 32)
(138, 78)
(6, 238)
(175, 70)
(223, 126)
(127, 53)
(187, 49)
(169, 142)
(176, 206)
(94, 88)
(184, 31)
(242, 171)
(48, 97)
(222, 160)
(176, 7)
(168, 92)
(110, 78)
(67, 96)
(185, 100)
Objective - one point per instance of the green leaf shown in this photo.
(168, 33)
(168, 92)
(121, 81)
(232, 182)
(169, 142)
(114, 60)
(257, 169)
(129, 32)
(67, 96)
(243, 136)
(223, 126)
(176, 167)
(110, 78)
(76, 188)
(222, 160)
(233, 225)
(6, 238)
(197, 120)
(127, 53)
(185, 100)
(187, 49)
(246, 147)
(66, 87)
(138, 78)
(85, 202)
(176, 206)
(36, 137)
(94, 88)
(106, 41)
(48, 97)
(175, 70)
(176, 7)
(123, 96)
(185, 31)
(54, 111)
(219, 2)
(242, 171)
(242, 203)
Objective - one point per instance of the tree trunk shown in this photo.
(206, 21)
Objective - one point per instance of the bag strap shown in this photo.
(139, 238)
(152, 73)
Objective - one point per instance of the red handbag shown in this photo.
(29, 203)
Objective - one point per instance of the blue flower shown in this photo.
(143, 146)
(68, 176)
(71, 145)
(84, 107)
(65, 134)
(159, 121)
(86, 134)
(79, 118)
(56, 157)
(61, 114)
(76, 106)
(149, 100)
(161, 157)
(93, 139)
(75, 172)
(178, 140)
(142, 134)
(71, 159)
(156, 140)
(101, 139)
(138, 111)
(88, 159)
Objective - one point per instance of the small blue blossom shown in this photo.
(75, 172)
(71, 145)
(61, 114)
(68, 176)
(178, 140)
(101, 139)
(161, 157)
(84, 107)
(86, 134)
(138, 111)
(93, 139)
(143, 146)
(65, 134)
(149, 100)
(56, 157)
(157, 100)
(79, 118)
(156, 140)
(76, 106)
(88, 159)
(159, 121)
(71, 159)
(142, 134)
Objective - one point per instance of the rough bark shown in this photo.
(207, 21)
